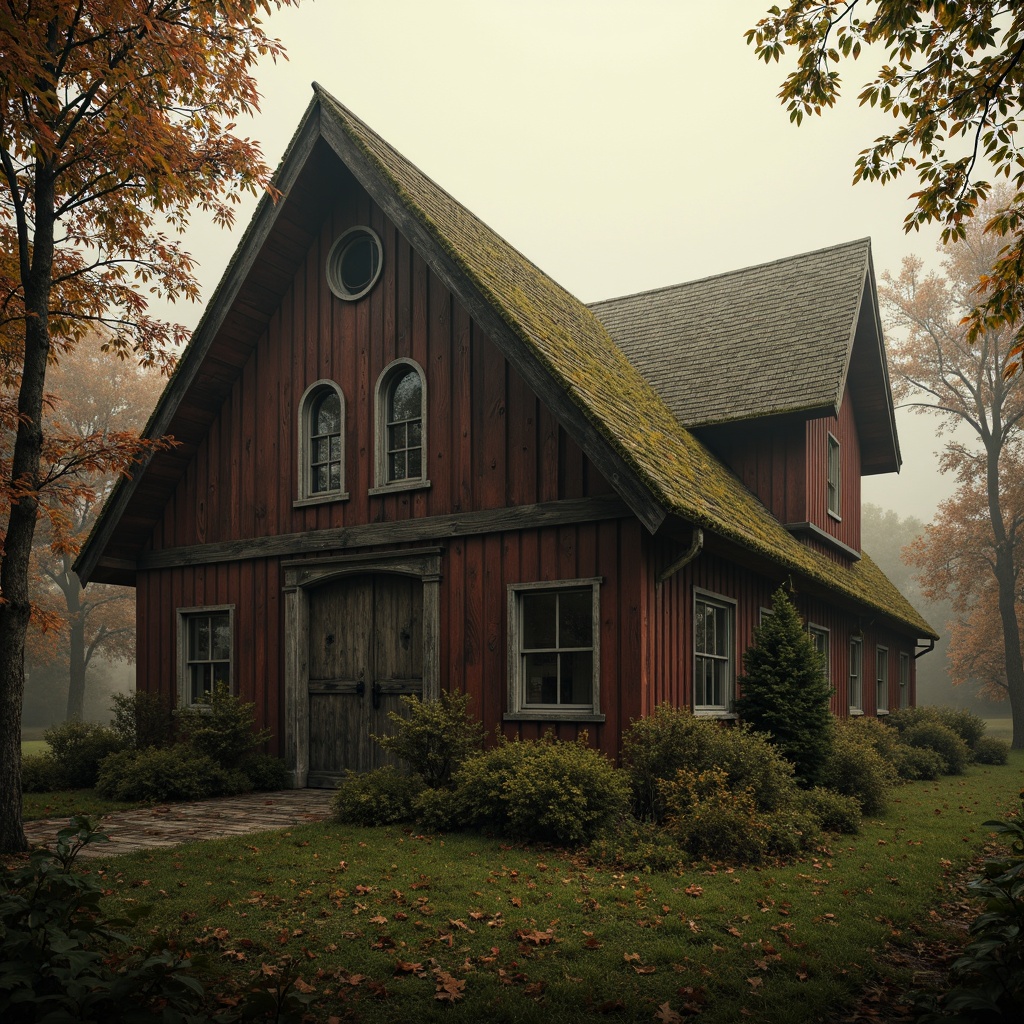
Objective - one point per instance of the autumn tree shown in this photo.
(941, 368)
(117, 119)
(951, 75)
(90, 397)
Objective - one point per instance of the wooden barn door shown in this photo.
(365, 652)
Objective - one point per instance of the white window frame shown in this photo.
(307, 495)
(855, 692)
(184, 616)
(727, 605)
(518, 707)
(833, 473)
(382, 394)
(881, 680)
(904, 679)
(816, 633)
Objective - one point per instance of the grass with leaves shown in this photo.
(387, 925)
(64, 803)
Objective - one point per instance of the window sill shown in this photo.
(552, 716)
(729, 716)
(856, 712)
(835, 515)
(881, 712)
(320, 499)
(403, 485)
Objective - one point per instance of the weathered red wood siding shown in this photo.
(846, 528)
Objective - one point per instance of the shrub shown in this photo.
(434, 737)
(947, 744)
(436, 810)
(221, 726)
(638, 845)
(785, 693)
(872, 732)
(969, 727)
(854, 768)
(542, 790)
(77, 749)
(383, 796)
(143, 719)
(917, 764)
(656, 747)
(833, 811)
(171, 773)
(40, 774)
(265, 772)
(989, 750)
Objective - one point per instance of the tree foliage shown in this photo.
(117, 119)
(951, 75)
(974, 551)
(784, 690)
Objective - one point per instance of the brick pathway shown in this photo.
(173, 824)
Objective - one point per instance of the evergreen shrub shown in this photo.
(384, 796)
(990, 750)
(833, 811)
(77, 748)
(169, 773)
(434, 737)
(955, 754)
(222, 727)
(854, 768)
(968, 726)
(40, 774)
(656, 747)
(785, 693)
(917, 764)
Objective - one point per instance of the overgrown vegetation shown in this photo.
(785, 691)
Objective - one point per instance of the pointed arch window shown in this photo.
(401, 411)
(321, 444)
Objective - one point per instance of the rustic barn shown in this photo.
(408, 461)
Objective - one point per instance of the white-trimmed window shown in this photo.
(714, 661)
(205, 647)
(833, 489)
(554, 649)
(321, 444)
(882, 680)
(904, 679)
(856, 685)
(820, 638)
(401, 411)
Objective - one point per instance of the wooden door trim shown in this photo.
(305, 576)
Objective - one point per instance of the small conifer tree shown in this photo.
(785, 690)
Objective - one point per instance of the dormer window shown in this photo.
(401, 427)
(321, 444)
(834, 496)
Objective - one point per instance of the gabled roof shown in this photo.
(554, 341)
(780, 337)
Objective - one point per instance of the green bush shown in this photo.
(656, 747)
(872, 732)
(221, 726)
(854, 768)
(833, 811)
(917, 764)
(955, 754)
(170, 773)
(969, 727)
(40, 774)
(542, 790)
(434, 737)
(436, 810)
(989, 750)
(77, 749)
(784, 690)
(383, 796)
(265, 772)
(143, 719)
(638, 845)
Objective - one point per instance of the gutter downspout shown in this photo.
(924, 650)
(694, 550)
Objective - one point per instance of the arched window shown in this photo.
(401, 427)
(322, 443)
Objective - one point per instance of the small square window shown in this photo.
(554, 664)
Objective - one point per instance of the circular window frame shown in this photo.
(334, 260)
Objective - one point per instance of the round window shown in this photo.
(354, 263)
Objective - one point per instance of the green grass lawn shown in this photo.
(381, 920)
(1000, 728)
(64, 803)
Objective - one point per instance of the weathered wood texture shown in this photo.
(843, 428)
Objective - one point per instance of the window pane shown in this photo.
(322, 479)
(396, 466)
(414, 462)
(199, 638)
(575, 618)
(406, 398)
(323, 450)
(335, 476)
(335, 449)
(700, 628)
(221, 637)
(539, 619)
(327, 414)
(540, 677)
(415, 433)
(577, 677)
(358, 263)
(397, 437)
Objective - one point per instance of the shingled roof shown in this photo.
(564, 351)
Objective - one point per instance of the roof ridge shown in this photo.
(734, 273)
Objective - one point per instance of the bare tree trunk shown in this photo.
(1011, 645)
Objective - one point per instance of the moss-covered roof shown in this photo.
(681, 473)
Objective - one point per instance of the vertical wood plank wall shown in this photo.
(844, 429)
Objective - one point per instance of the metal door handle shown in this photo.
(360, 688)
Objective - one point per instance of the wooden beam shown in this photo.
(522, 517)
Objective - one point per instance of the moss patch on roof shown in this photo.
(578, 352)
